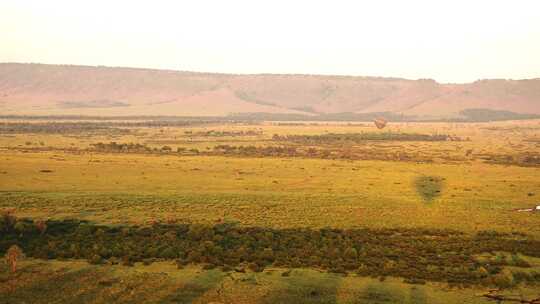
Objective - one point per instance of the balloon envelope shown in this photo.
(380, 122)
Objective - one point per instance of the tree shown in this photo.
(7, 220)
(41, 225)
(13, 254)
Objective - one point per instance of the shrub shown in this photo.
(503, 280)
(127, 261)
(96, 259)
(255, 267)
(482, 272)
(414, 281)
(168, 253)
(519, 262)
(7, 221)
(41, 226)
(286, 273)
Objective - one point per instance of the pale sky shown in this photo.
(449, 41)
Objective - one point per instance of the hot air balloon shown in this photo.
(380, 122)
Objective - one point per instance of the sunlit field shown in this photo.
(456, 181)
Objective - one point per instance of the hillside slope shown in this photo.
(37, 89)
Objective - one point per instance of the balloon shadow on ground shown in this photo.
(429, 187)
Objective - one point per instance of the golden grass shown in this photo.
(267, 192)
(161, 282)
(270, 192)
(279, 192)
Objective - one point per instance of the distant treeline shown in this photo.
(266, 151)
(321, 117)
(527, 159)
(468, 115)
(485, 115)
(418, 255)
(59, 128)
(115, 147)
(360, 137)
(261, 151)
(144, 118)
(315, 152)
(217, 133)
(119, 127)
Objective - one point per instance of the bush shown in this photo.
(96, 259)
(7, 221)
(503, 280)
(168, 253)
(255, 267)
(519, 262)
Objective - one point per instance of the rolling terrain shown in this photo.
(38, 89)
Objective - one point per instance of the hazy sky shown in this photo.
(450, 41)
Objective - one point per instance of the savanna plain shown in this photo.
(194, 211)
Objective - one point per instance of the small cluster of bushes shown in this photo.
(214, 133)
(332, 138)
(114, 147)
(528, 159)
(417, 255)
(256, 151)
(121, 147)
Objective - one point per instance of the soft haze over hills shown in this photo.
(37, 89)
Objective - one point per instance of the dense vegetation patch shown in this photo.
(114, 147)
(483, 115)
(347, 153)
(361, 137)
(418, 255)
(218, 133)
(60, 128)
(527, 159)
(259, 151)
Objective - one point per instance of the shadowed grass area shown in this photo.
(195, 288)
(74, 286)
(78, 282)
(305, 287)
(381, 294)
(418, 295)
(429, 187)
(83, 283)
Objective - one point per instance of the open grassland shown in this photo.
(277, 176)
(269, 192)
(79, 282)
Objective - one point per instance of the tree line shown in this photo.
(417, 255)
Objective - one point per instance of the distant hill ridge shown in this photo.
(39, 89)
